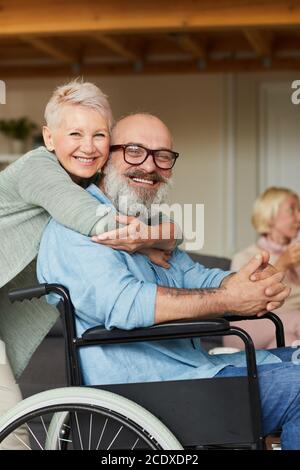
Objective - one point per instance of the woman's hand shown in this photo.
(134, 236)
(290, 258)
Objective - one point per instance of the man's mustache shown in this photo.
(155, 177)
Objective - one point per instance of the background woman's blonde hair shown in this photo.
(266, 207)
(80, 93)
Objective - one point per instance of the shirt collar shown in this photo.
(98, 194)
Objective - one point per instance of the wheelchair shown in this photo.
(221, 412)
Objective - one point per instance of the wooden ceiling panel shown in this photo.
(18, 51)
(287, 43)
(33, 17)
(227, 41)
(147, 36)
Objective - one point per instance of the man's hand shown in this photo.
(159, 257)
(267, 271)
(263, 272)
(246, 297)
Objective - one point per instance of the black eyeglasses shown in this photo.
(135, 154)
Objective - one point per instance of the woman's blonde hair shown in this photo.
(266, 207)
(80, 93)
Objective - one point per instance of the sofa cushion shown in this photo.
(211, 261)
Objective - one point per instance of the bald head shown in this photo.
(144, 129)
(138, 181)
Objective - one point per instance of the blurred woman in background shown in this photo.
(276, 218)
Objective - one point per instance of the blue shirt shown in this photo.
(118, 290)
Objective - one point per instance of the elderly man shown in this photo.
(117, 289)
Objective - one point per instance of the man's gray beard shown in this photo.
(140, 202)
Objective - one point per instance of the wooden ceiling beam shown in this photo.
(189, 45)
(76, 16)
(49, 49)
(116, 46)
(213, 66)
(260, 41)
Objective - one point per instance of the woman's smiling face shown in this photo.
(80, 140)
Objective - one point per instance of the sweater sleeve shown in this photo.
(43, 182)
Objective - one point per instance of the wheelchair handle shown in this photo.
(28, 293)
(38, 291)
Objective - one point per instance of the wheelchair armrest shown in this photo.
(270, 316)
(230, 317)
(178, 329)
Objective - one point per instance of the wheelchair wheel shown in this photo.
(84, 418)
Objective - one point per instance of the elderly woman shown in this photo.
(50, 181)
(276, 218)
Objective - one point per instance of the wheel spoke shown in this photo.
(90, 431)
(44, 426)
(103, 429)
(135, 443)
(59, 445)
(22, 442)
(115, 437)
(65, 431)
(34, 437)
(78, 429)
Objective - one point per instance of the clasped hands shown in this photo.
(256, 288)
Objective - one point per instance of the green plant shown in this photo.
(19, 129)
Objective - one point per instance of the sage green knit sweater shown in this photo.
(32, 189)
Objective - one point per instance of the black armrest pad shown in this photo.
(241, 317)
(178, 329)
(268, 315)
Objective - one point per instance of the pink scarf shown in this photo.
(293, 274)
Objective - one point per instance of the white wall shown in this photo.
(252, 120)
(214, 120)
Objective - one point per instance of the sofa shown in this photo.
(47, 369)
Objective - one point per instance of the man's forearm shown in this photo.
(180, 304)
(237, 294)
